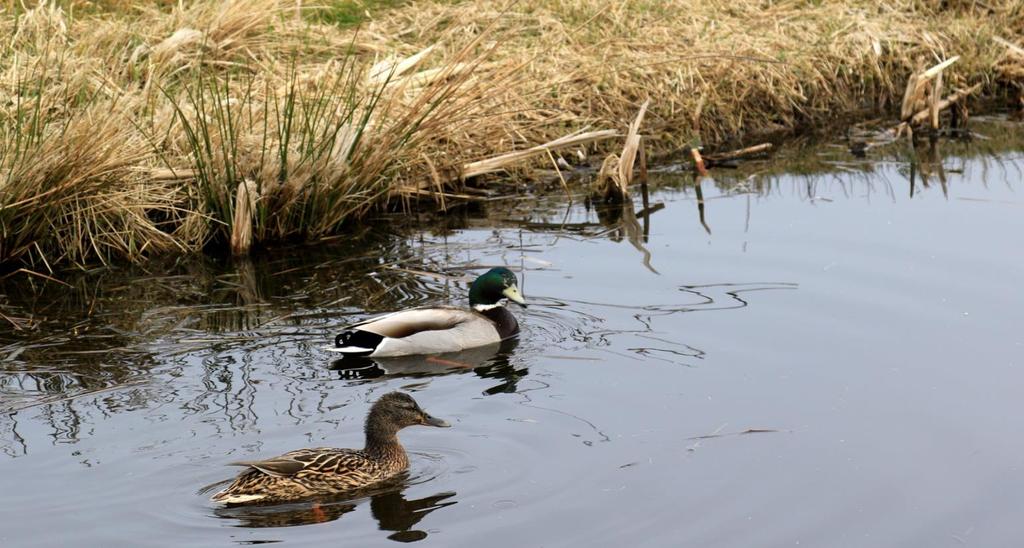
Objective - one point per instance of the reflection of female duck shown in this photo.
(391, 509)
(287, 515)
(323, 471)
(434, 330)
(395, 513)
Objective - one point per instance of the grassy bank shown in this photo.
(127, 132)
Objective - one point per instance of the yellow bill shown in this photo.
(513, 295)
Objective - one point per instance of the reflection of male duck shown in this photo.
(433, 364)
(489, 362)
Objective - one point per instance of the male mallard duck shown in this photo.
(325, 470)
(433, 330)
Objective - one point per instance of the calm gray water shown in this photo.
(870, 329)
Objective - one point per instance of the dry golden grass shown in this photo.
(717, 69)
(128, 130)
(217, 123)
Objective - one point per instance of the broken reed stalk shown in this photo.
(241, 226)
(1014, 48)
(923, 115)
(937, 69)
(909, 97)
(643, 176)
(953, 98)
(913, 96)
(503, 161)
(698, 161)
(616, 173)
(936, 93)
(629, 151)
(739, 153)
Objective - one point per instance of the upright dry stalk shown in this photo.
(914, 95)
(629, 150)
(936, 97)
(616, 173)
(241, 225)
(911, 97)
(504, 161)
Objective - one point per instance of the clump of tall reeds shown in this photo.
(70, 191)
(297, 157)
(215, 124)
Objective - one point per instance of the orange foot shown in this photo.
(319, 516)
(449, 363)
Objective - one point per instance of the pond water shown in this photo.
(820, 351)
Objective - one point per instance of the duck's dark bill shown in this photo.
(434, 421)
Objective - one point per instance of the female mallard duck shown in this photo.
(435, 330)
(324, 471)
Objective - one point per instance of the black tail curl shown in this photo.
(357, 338)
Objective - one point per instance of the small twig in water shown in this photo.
(715, 434)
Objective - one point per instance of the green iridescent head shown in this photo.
(493, 286)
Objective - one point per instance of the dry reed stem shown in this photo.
(604, 186)
(504, 161)
(936, 94)
(643, 174)
(241, 225)
(1014, 48)
(914, 96)
(953, 98)
(937, 69)
(926, 113)
(739, 153)
(629, 150)
(698, 162)
(616, 173)
(911, 97)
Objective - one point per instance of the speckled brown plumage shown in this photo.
(325, 470)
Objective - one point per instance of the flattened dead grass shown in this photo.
(718, 70)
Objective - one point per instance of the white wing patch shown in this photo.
(236, 499)
(345, 349)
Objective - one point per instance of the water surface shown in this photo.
(821, 350)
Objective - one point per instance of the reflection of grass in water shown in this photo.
(87, 346)
(86, 343)
(806, 160)
(110, 326)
